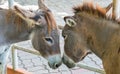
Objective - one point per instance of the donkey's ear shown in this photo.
(26, 15)
(23, 12)
(69, 21)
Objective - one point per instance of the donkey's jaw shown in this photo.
(54, 61)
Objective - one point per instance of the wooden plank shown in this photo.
(17, 71)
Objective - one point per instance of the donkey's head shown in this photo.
(45, 38)
(77, 33)
(44, 34)
(75, 47)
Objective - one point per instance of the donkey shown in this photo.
(89, 30)
(18, 24)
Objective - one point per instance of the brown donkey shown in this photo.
(89, 29)
(19, 24)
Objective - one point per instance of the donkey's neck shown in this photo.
(101, 32)
(10, 32)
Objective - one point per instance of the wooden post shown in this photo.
(5, 50)
(116, 9)
(10, 3)
(14, 58)
(3, 59)
(14, 48)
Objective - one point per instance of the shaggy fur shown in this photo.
(95, 32)
(19, 24)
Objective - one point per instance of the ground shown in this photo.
(37, 64)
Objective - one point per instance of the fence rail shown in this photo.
(16, 47)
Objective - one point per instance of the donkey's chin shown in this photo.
(70, 63)
(67, 61)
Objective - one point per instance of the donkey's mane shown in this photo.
(91, 9)
(19, 21)
(95, 10)
(50, 20)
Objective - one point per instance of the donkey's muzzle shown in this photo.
(54, 61)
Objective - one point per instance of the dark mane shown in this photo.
(91, 9)
(95, 10)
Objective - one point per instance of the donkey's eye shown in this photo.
(49, 40)
(65, 37)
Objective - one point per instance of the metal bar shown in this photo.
(14, 58)
(14, 48)
(10, 3)
(26, 50)
(90, 68)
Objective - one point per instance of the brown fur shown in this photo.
(95, 10)
(91, 9)
(95, 32)
(19, 21)
(19, 24)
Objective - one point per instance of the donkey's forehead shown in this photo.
(39, 15)
(39, 12)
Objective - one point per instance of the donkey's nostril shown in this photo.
(54, 61)
(49, 40)
(54, 66)
(57, 65)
